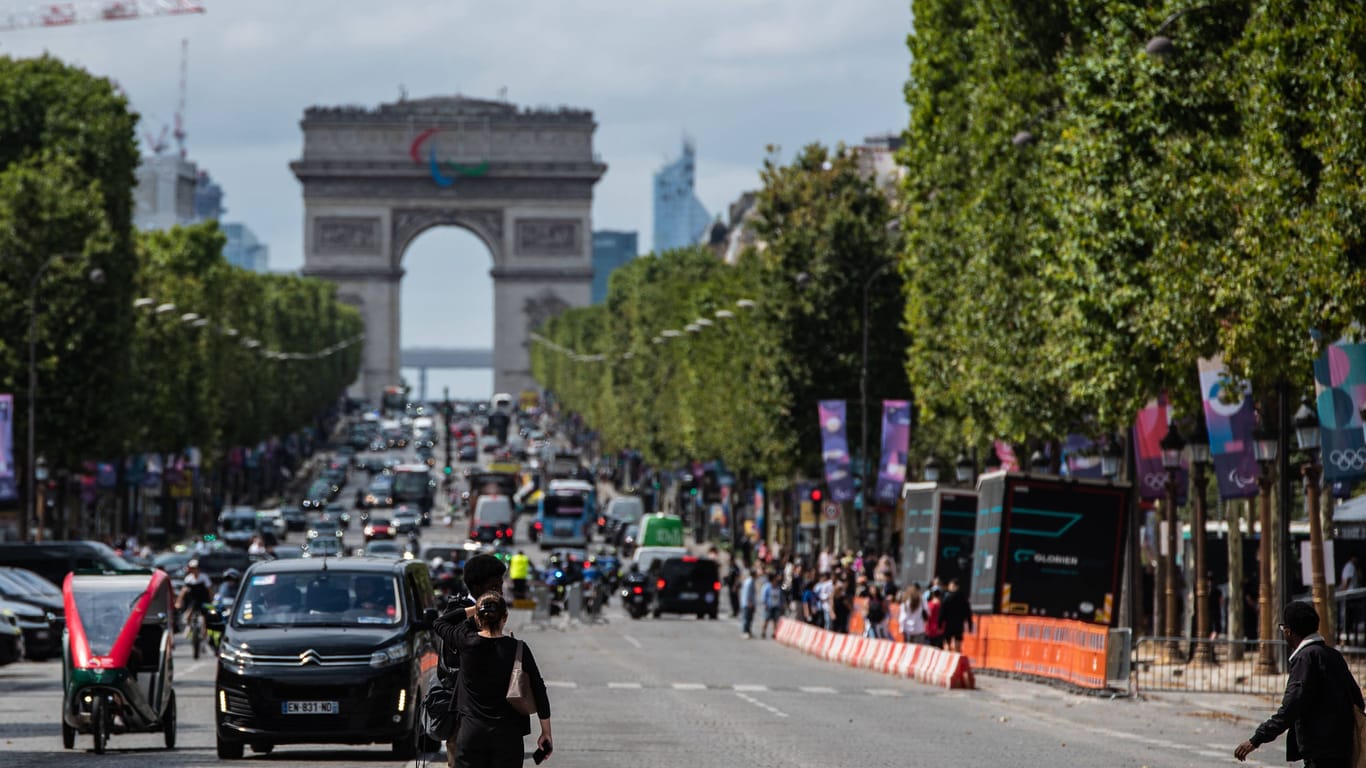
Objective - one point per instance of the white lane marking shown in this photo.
(882, 692)
(632, 686)
(761, 705)
(751, 688)
(689, 686)
(560, 684)
(632, 641)
(815, 689)
(1212, 753)
(194, 667)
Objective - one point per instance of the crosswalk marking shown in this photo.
(636, 686)
(689, 686)
(561, 684)
(751, 688)
(815, 689)
(882, 692)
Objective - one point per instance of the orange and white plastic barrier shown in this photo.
(1059, 649)
(917, 662)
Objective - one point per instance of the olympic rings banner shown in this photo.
(1149, 429)
(1230, 428)
(1340, 383)
(835, 451)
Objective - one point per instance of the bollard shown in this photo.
(540, 614)
(573, 598)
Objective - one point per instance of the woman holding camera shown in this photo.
(490, 731)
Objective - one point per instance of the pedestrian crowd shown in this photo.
(829, 591)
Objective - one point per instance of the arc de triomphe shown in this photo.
(520, 180)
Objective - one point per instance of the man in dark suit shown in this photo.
(1321, 698)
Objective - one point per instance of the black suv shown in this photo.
(325, 651)
(687, 585)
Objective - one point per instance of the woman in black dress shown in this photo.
(490, 730)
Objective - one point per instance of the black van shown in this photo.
(53, 560)
(326, 651)
(687, 585)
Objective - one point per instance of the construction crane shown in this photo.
(69, 13)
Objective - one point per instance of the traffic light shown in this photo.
(817, 495)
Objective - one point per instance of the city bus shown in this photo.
(413, 485)
(566, 514)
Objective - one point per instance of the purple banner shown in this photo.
(1340, 382)
(1230, 428)
(835, 451)
(8, 488)
(1149, 429)
(896, 438)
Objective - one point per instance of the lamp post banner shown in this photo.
(1149, 429)
(835, 450)
(1230, 428)
(8, 486)
(896, 438)
(1340, 386)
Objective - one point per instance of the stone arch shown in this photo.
(520, 180)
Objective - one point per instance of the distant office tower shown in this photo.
(610, 250)
(208, 199)
(164, 196)
(680, 219)
(244, 250)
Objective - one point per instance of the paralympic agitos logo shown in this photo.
(428, 140)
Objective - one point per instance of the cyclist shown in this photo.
(197, 589)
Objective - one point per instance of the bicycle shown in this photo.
(197, 630)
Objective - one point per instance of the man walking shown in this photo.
(772, 599)
(747, 594)
(1321, 698)
(956, 616)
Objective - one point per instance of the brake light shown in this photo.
(716, 586)
(538, 525)
(659, 584)
(638, 590)
(498, 534)
(689, 559)
(602, 521)
(509, 533)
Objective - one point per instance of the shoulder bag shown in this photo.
(519, 694)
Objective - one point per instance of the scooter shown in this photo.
(635, 595)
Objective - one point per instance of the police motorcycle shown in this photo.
(635, 594)
(117, 637)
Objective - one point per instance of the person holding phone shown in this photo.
(491, 731)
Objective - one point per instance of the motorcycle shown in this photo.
(635, 594)
(117, 636)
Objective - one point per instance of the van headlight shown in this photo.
(235, 654)
(389, 656)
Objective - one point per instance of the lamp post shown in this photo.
(1172, 445)
(1038, 462)
(95, 276)
(1307, 434)
(931, 469)
(1200, 460)
(40, 476)
(963, 467)
(1264, 445)
(1110, 457)
(863, 400)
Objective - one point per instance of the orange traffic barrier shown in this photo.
(1059, 649)
(917, 662)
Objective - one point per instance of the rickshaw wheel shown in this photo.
(68, 735)
(168, 722)
(99, 723)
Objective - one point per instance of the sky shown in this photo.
(732, 75)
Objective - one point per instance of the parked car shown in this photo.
(362, 627)
(53, 560)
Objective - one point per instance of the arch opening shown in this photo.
(446, 306)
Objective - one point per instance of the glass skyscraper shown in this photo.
(680, 219)
(610, 250)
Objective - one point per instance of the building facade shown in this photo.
(610, 251)
(680, 219)
(244, 249)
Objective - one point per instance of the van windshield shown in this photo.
(628, 510)
(319, 598)
(567, 505)
(496, 511)
(238, 523)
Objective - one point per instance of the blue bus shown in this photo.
(566, 514)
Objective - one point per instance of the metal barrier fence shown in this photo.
(1351, 617)
(1229, 666)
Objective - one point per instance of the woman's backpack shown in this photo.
(438, 707)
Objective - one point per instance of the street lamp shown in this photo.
(95, 276)
(1264, 449)
(164, 308)
(1200, 461)
(931, 469)
(1172, 445)
(1038, 462)
(1159, 45)
(963, 468)
(724, 314)
(1110, 458)
(1307, 434)
(863, 396)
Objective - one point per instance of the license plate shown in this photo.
(687, 595)
(563, 530)
(309, 707)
